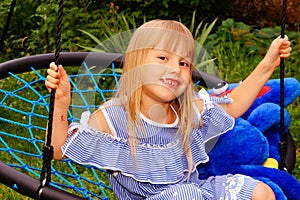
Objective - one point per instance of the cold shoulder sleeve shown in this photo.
(215, 121)
(157, 164)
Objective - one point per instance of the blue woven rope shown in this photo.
(30, 134)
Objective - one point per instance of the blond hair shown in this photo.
(165, 35)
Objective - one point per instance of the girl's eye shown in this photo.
(164, 58)
(184, 64)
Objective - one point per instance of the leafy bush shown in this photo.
(236, 47)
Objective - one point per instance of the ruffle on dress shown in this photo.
(156, 164)
(152, 163)
(215, 120)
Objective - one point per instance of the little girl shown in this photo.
(151, 136)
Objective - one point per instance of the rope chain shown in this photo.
(282, 142)
(45, 177)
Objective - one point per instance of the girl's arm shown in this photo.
(60, 82)
(244, 94)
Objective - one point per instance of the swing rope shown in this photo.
(282, 143)
(45, 177)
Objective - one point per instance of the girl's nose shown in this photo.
(174, 68)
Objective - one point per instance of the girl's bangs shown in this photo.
(163, 39)
(177, 41)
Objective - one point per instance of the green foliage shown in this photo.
(34, 23)
(238, 48)
(235, 47)
(33, 28)
(178, 10)
(116, 33)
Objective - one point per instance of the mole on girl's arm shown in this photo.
(62, 118)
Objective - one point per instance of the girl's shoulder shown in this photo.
(100, 119)
(199, 104)
(98, 122)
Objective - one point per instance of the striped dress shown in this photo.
(159, 168)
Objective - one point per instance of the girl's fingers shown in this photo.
(282, 42)
(63, 73)
(55, 76)
(52, 80)
(53, 73)
(286, 37)
(285, 44)
(50, 85)
(285, 50)
(53, 66)
(286, 55)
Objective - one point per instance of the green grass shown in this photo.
(30, 139)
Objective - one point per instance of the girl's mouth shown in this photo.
(171, 83)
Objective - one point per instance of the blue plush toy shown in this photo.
(251, 148)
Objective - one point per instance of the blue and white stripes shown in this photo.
(159, 168)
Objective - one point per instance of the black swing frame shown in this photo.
(286, 144)
(25, 184)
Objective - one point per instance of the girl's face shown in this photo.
(165, 76)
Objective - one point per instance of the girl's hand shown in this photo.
(280, 48)
(59, 81)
